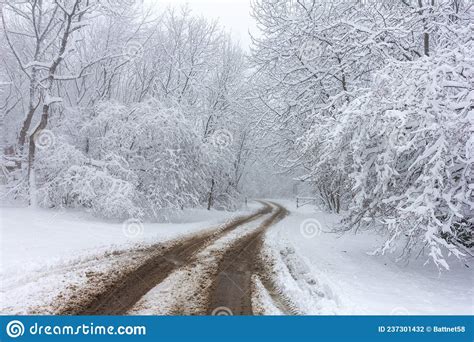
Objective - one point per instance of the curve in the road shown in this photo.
(118, 298)
(232, 285)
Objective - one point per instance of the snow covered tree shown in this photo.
(137, 101)
(369, 101)
(39, 35)
(410, 138)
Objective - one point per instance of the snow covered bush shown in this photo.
(95, 189)
(220, 166)
(159, 145)
(141, 159)
(135, 160)
(67, 178)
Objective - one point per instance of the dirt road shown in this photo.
(232, 284)
(231, 281)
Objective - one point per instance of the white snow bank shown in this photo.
(366, 284)
(262, 301)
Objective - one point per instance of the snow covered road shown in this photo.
(264, 261)
(47, 256)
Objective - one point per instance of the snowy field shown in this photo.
(361, 283)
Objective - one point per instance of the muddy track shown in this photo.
(119, 297)
(232, 285)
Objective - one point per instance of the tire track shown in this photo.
(278, 297)
(232, 284)
(118, 297)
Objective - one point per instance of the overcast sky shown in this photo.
(234, 15)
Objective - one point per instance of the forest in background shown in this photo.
(110, 106)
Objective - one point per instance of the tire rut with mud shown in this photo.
(232, 288)
(120, 296)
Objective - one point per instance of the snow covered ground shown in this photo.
(32, 239)
(354, 282)
(44, 251)
(315, 271)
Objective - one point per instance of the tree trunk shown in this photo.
(210, 199)
(426, 41)
(25, 127)
(426, 35)
(32, 153)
